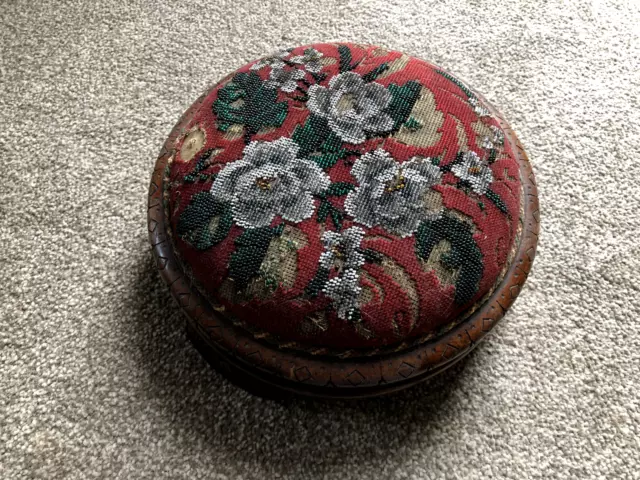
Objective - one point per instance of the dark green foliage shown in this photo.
(194, 223)
(327, 160)
(497, 201)
(259, 108)
(457, 82)
(375, 73)
(371, 256)
(316, 136)
(323, 211)
(413, 124)
(201, 164)
(336, 217)
(402, 101)
(447, 168)
(251, 248)
(318, 77)
(339, 189)
(345, 58)
(311, 135)
(318, 282)
(327, 209)
(464, 255)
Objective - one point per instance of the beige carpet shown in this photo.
(97, 380)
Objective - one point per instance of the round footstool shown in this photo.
(341, 220)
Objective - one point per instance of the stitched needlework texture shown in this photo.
(344, 196)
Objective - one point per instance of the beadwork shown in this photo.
(345, 186)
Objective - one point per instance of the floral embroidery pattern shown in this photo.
(481, 110)
(352, 107)
(344, 292)
(310, 60)
(390, 193)
(249, 103)
(343, 249)
(269, 180)
(496, 140)
(344, 255)
(307, 142)
(344, 289)
(475, 172)
(274, 60)
(285, 80)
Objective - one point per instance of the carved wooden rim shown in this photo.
(294, 371)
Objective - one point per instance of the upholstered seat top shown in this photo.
(343, 196)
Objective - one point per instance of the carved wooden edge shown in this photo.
(267, 370)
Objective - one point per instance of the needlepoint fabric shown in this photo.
(343, 196)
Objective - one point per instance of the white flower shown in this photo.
(344, 292)
(487, 144)
(343, 250)
(392, 194)
(480, 109)
(285, 80)
(497, 138)
(274, 60)
(475, 172)
(310, 60)
(498, 135)
(342, 247)
(352, 107)
(269, 180)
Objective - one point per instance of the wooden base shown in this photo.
(255, 382)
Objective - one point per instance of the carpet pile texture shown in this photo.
(98, 380)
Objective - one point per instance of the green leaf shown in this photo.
(371, 256)
(316, 136)
(251, 248)
(497, 201)
(318, 282)
(202, 164)
(345, 58)
(332, 142)
(457, 82)
(327, 209)
(375, 73)
(259, 107)
(311, 135)
(278, 229)
(413, 124)
(327, 160)
(196, 225)
(339, 189)
(402, 101)
(224, 225)
(323, 211)
(336, 217)
(203, 161)
(318, 77)
(464, 255)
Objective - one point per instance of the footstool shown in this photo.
(341, 221)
